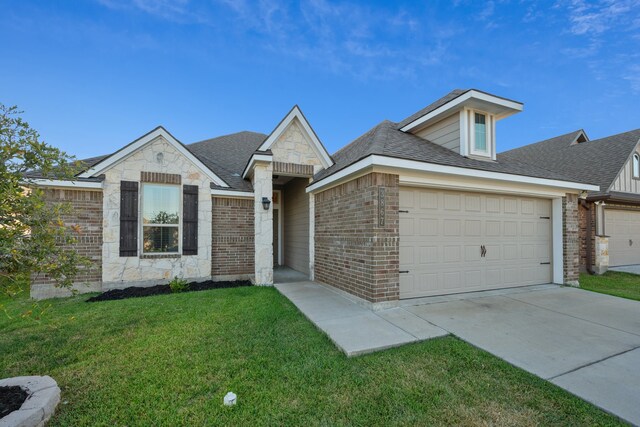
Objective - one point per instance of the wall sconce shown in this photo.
(265, 203)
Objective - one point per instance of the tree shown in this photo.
(33, 236)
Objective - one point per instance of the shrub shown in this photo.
(178, 285)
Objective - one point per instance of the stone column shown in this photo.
(263, 187)
(601, 264)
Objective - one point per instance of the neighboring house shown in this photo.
(410, 209)
(610, 217)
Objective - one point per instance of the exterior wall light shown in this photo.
(265, 203)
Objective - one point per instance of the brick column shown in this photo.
(356, 237)
(571, 239)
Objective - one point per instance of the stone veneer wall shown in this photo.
(86, 213)
(354, 252)
(232, 237)
(571, 239)
(293, 147)
(122, 271)
(585, 234)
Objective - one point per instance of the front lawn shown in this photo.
(170, 359)
(625, 285)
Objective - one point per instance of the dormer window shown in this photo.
(480, 141)
(636, 165)
(480, 131)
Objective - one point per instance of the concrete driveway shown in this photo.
(585, 342)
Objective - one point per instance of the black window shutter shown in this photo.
(128, 218)
(190, 220)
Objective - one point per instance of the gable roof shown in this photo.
(106, 162)
(316, 144)
(454, 101)
(228, 155)
(385, 139)
(597, 161)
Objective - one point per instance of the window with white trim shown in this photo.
(636, 165)
(160, 218)
(480, 132)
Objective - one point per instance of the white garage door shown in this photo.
(454, 242)
(623, 228)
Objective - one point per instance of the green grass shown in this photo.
(169, 360)
(625, 285)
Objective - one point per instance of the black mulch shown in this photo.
(11, 399)
(135, 292)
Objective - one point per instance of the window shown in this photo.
(636, 166)
(480, 132)
(160, 218)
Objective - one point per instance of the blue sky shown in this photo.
(94, 75)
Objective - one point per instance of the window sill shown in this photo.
(159, 256)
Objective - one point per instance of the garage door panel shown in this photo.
(451, 227)
(448, 229)
(471, 203)
(428, 255)
(428, 227)
(492, 228)
(511, 252)
(452, 254)
(406, 226)
(428, 200)
(623, 228)
(528, 207)
(472, 228)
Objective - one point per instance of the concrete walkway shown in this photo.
(584, 342)
(353, 328)
(633, 269)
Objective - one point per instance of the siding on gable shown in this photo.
(296, 225)
(625, 182)
(446, 133)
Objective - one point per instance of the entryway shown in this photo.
(290, 224)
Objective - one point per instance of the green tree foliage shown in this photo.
(33, 236)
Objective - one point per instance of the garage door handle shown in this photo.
(483, 251)
(403, 271)
(630, 242)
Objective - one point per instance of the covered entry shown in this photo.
(453, 242)
(291, 223)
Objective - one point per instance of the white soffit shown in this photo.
(392, 162)
(125, 152)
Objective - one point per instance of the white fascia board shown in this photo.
(284, 124)
(256, 158)
(232, 194)
(457, 102)
(118, 156)
(65, 184)
(392, 162)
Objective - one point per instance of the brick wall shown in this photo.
(585, 234)
(86, 212)
(232, 237)
(356, 241)
(571, 239)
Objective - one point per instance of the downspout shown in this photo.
(589, 260)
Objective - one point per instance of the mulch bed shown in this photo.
(11, 399)
(135, 292)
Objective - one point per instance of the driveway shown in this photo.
(584, 342)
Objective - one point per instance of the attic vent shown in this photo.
(581, 138)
